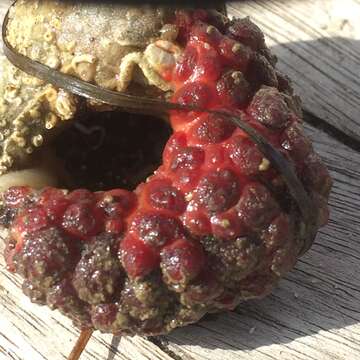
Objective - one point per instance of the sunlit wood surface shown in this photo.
(315, 312)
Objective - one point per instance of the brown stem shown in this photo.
(80, 345)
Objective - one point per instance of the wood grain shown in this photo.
(318, 45)
(313, 314)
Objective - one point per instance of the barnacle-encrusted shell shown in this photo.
(30, 113)
(98, 44)
(112, 46)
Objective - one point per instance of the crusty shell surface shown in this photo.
(85, 40)
(31, 113)
(102, 44)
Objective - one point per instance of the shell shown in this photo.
(31, 112)
(80, 40)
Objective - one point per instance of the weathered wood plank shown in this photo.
(312, 315)
(318, 44)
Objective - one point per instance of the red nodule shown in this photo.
(211, 129)
(117, 202)
(83, 220)
(246, 156)
(218, 190)
(159, 194)
(227, 226)
(190, 158)
(137, 258)
(182, 261)
(194, 94)
(29, 221)
(197, 223)
(55, 203)
(156, 229)
(81, 195)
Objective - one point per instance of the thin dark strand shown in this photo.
(147, 105)
(115, 342)
(350, 140)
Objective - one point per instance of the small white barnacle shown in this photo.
(29, 150)
(24, 131)
(18, 139)
(50, 121)
(50, 94)
(6, 132)
(26, 80)
(17, 101)
(37, 140)
(7, 161)
(49, 36)
(19, 122)
(67, 68)
(210, 29)
(84, 58)
(3, 169)
(65, 105)
(265, 164)
(34, 112)
(84, 66)
(53, 61)
(70, 46)
(238, 77)
(11, 91)
(55, 22)
(236, 48)
(36, 82)
(3, 106)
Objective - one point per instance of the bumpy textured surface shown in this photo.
(213, 226)
(31, 113)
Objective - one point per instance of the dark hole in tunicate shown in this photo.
(106, 150)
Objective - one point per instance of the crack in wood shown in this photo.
(324, 126)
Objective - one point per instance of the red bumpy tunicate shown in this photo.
(213, 226)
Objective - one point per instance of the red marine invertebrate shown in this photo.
(214, 225)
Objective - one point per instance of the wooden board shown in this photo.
(313, 314)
